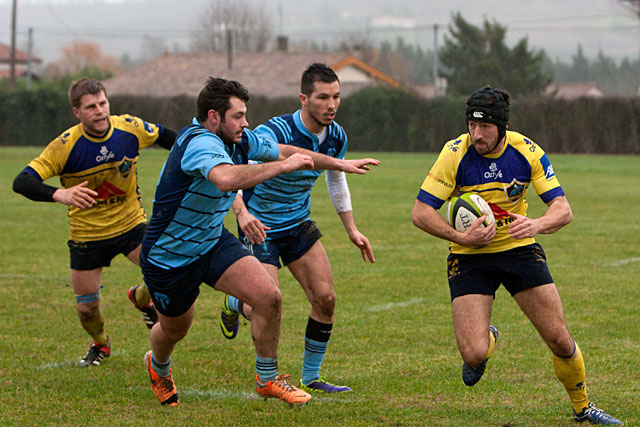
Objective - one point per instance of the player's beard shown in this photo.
(229, 140)
(319, 122)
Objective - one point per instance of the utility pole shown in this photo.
(229, 48)
(12, 63)
(29, 58)
(435, 59)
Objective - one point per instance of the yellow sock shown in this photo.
(571, 373)
(141, 295)
(492, 344)
(95, 328)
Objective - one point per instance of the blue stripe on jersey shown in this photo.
(87, 154)
(188, 210)
(430, 199)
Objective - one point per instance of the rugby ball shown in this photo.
(464, 209)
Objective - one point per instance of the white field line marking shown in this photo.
(392, 305)
(73, 362)
(622, 262)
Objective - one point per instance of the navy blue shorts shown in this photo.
(517, 269)
(288, 245)
(174, 291)
(99, 253)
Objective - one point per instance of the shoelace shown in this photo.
(283, 381)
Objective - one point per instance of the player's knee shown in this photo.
(269, 300)
(473, 355)
(326, 302)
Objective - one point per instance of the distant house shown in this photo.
(269, 74)
(20, 65)
(574, 90)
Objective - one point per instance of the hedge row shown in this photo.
(376, 119)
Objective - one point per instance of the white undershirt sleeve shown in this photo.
(338, 190)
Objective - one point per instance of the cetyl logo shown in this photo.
(105, 155)
(478, 115)
(493, 172)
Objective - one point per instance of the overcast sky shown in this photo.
(122, 26)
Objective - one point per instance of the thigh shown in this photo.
(471, 317)
(313, 271)
(543, 306)
(134, 255)
(247, 280)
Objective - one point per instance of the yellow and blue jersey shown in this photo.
(502, 179)
(109, 164)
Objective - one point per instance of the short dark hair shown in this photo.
(215, 96)
(316, 72)
(84, 86)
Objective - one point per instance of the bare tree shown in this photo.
(249, 25)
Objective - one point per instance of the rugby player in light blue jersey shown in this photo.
(274, 218)
(500, 166)
(186, 243)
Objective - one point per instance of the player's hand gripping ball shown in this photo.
(463, 210)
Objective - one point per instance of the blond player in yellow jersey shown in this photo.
(96, 161)
(500, 166)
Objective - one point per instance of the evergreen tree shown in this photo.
(473, 57)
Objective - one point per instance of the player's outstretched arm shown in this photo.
(251, 226)
(322, 161)
(229, 177)
(557, 215)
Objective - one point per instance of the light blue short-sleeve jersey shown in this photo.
(284, 201)
(188, 209)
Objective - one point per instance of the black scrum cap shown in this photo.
(491, 106)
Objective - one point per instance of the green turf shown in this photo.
(393, 340)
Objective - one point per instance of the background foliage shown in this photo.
(376, 119)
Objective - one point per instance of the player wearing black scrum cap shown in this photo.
(500, 165)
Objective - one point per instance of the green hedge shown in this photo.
(376, 119)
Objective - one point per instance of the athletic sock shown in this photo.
(161, 368)
(492, 344)
(95, 328)
(266, 368)
(316, 340)
(141, 295)
(235, 305)
(571, 373)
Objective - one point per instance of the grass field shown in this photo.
(393, 341)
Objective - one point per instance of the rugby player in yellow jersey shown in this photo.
(500, 165)
(96, 161)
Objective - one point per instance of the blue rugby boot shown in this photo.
(322, 386)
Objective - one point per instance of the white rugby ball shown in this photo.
(464, 209)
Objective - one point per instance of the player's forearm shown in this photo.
(320, 161)
(237, 177)
(558, 215)
(166, 138)
(429, 220)
(32, 188)
(238, 205)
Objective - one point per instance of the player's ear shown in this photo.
(213, 117)
(76, 112)
(304, 99)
